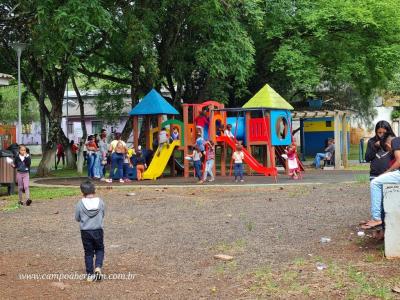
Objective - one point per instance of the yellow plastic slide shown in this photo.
(160, 161)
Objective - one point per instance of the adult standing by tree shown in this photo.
(74, 150)
(60, 155)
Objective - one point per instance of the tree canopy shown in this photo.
(226, 50)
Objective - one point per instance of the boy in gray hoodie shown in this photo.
(89, 212)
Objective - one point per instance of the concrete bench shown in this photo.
(391, 205)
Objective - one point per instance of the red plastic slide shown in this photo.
(249, 159)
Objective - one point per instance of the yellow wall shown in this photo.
(314, 126)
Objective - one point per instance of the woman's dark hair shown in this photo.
(385, 125)
(118, 135)
(87, 188)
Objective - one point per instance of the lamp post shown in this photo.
(19, 47)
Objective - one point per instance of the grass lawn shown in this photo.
(66, 173)
(35, 160)
(38, 193)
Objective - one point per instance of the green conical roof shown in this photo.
(268, 98)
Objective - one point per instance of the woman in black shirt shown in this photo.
(375, 153)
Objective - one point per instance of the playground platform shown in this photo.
(310, 177)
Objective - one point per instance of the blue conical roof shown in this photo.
(153, 104)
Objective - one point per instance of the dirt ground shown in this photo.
(168, 237)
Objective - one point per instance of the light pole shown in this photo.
(19, 47)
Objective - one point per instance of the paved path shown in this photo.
(310, 177)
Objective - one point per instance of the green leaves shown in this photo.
(223, 50)
(9, 105)
(345, 44)
(62, 29)
(109, 103)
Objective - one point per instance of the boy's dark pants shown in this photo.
(92, 241)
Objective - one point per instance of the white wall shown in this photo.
(383, 113)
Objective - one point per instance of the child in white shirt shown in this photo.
(228, 131)
(238, 157)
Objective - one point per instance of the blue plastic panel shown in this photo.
(276, 116)
(240, 134)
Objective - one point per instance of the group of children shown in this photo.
(203, 154)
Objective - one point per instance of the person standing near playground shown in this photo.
(22, 164)
(238, 157)
(92, 157)
(60, 154)
(390, 176)
(74, 150)
(196, 156)
(140, 165)
(103, 149)
(127, 165)
(200, 142)
(210, 159)
(375, 155)
(89, 212)
(118, 150)
(293, 165)
(201, 122)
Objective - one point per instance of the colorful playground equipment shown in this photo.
(262, 125)
(154, 105)
(8, 136)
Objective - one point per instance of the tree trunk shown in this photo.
(43, 120)
(55, 90)
(49, 153)
(127, 131)
(81, 159)
(69, 156)
(47, 160)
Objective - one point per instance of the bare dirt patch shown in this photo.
(168, 237)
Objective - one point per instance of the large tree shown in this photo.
(347, 49)
(55, 33)
(194, 49)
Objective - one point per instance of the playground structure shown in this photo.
(8, 136)
(154, 105)
(263, 124)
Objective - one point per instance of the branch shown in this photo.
(88, 73)
(84, 55)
